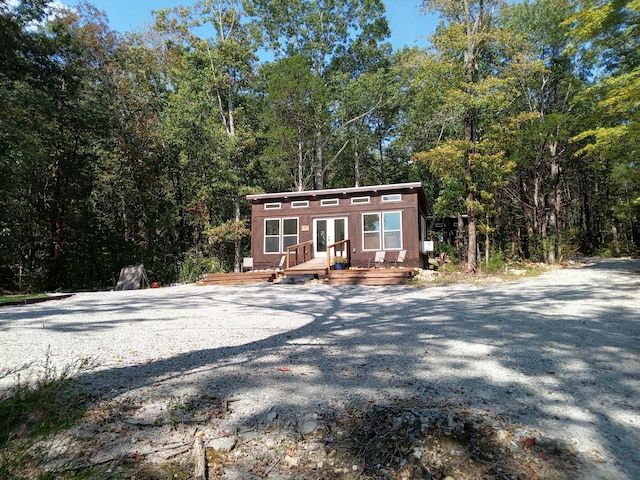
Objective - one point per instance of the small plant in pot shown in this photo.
(340, 262)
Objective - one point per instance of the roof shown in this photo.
(338, 191)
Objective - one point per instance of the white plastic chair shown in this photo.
(247, 263)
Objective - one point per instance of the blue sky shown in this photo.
(408, 26)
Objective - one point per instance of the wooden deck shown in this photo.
(317, 267)
(371, 276)
(237, 278)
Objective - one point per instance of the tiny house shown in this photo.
(381, 218)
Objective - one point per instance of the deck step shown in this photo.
(298, 278)
(237, 278)
(370, 277)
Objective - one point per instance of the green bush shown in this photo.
(496, 261)
(195, 266)
(449, 250)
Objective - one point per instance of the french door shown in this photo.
(327, 231)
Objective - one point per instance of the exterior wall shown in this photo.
(410, 206)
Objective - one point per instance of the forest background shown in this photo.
(118, 149)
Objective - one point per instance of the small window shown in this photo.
(356, 200)
(273, 206)
(396, 197)
(280, 233)
(329, 201)
(300, 204)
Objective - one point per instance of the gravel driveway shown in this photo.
(558, 354)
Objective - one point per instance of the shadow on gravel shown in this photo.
(546, 355)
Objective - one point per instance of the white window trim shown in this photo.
(381, 231)
(265, 236)
(386, 198)
(360, 200)
(329, 202)
(273, 206)
(281, 234)
(303, 204)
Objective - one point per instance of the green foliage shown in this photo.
(196, 265)
(116, 150)
(449, 250)
(32, 411)
(496, 261)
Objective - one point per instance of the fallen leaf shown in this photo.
(530, 441)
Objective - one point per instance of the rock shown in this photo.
(308, 427)
(272, 416)
(223, 444)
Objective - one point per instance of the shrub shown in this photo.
(196, 265)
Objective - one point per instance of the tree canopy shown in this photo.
(520, 119)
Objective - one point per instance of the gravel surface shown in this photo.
(558, 355)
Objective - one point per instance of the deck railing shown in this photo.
(341, 248)
(293, 250)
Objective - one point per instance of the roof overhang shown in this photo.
(337, 191)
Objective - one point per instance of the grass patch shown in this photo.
(21, 297)
(31, 412)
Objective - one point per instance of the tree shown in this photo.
(467, 30)
(291, 91)
(609, 31)
(324, 32)
(212, 75)
(547, 85)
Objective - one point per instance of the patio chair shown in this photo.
(400, 258)
(282, 264)
(247, 263)
(377, 260)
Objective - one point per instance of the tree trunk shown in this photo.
(237, 244)
(615, 239)
(472, 245)
(319, 166)
(356, 156)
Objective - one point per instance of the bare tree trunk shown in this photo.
(472, 245)
(487, 243)
(237, 243)
(383, 174)
(300, 180)
(356, 155)
(615, 239)
(319, 167)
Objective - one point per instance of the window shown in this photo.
(371, 231)
(396, 197)
(289, 232)
(272, 236)
(356, 200)
(272, 206)
(300, 204)
(382, 231)
(329, 201)
(280, 233)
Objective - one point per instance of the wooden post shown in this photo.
(199, 457)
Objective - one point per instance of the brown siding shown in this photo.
(409, 206)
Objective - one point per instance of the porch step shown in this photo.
(382, 276)
(298, 279)
(237, 278)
